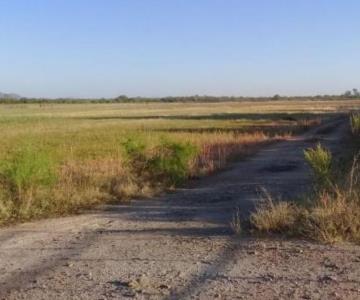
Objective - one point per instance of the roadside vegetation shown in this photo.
(57, 159)
(332, 212)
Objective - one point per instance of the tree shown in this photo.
(347, 94)
(276, 97)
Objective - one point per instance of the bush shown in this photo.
(168, 163)
(171, 161)
(320, 161)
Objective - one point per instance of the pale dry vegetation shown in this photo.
(355, 123)
(58, 158)
(332, 213)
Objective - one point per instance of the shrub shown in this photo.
(320, 161)
(167, 163)
(171, 161)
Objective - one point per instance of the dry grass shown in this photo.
(355, 123)
(84, 145)
(235, 223)
(334, 218)
(333, 215)
(270, 217)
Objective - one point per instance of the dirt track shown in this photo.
(179, 246)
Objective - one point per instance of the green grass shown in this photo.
(24, 175)
(355, 123)
(320, 161)
(168, 163)
(58, 158)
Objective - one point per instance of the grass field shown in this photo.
(57, 158)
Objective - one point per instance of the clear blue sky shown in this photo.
(104, 48)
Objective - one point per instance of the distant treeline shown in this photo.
(209, 99)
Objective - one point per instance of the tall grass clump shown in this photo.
(331, 217)
(274, 217)
(24, 176)
(355, 123)
(334, 217)
(320, 161)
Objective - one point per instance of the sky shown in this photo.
(155, 48)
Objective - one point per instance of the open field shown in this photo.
(179, 150)
(179, 245)
(57, 158)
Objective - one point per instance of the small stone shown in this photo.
(328, 278)
(181, 274)
(134, 284)
(332, 266)
(164, 286)
(205, 262)
(144, 280)
(129, 294)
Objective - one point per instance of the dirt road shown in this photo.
(179, 246)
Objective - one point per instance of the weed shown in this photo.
(168, 163)
(235, 223)
(320, 161)
(334, 217)
(278, 217)
(355, 123)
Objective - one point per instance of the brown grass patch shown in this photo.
(333, 215)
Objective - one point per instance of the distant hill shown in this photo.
(9, 96)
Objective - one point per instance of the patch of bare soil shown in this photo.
(179, 246)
